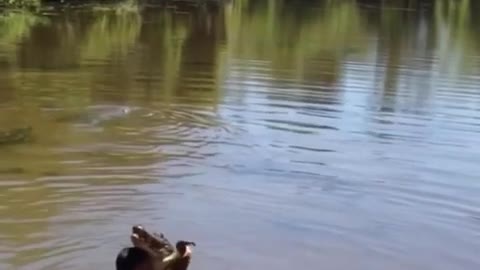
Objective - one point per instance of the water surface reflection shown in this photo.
(329, 130)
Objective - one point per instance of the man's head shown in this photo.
(134, 258)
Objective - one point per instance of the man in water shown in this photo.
(134, 258)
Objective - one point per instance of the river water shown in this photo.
(275, 134)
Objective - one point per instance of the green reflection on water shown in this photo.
(135, 56)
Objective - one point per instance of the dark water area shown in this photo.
(275, 134)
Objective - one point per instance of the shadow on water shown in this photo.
(258, 113)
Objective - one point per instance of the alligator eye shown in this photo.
(138, 229)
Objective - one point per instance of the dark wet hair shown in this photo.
(130, 258)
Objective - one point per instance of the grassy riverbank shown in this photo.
(20, 3)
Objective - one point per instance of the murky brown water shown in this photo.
(276, 135)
